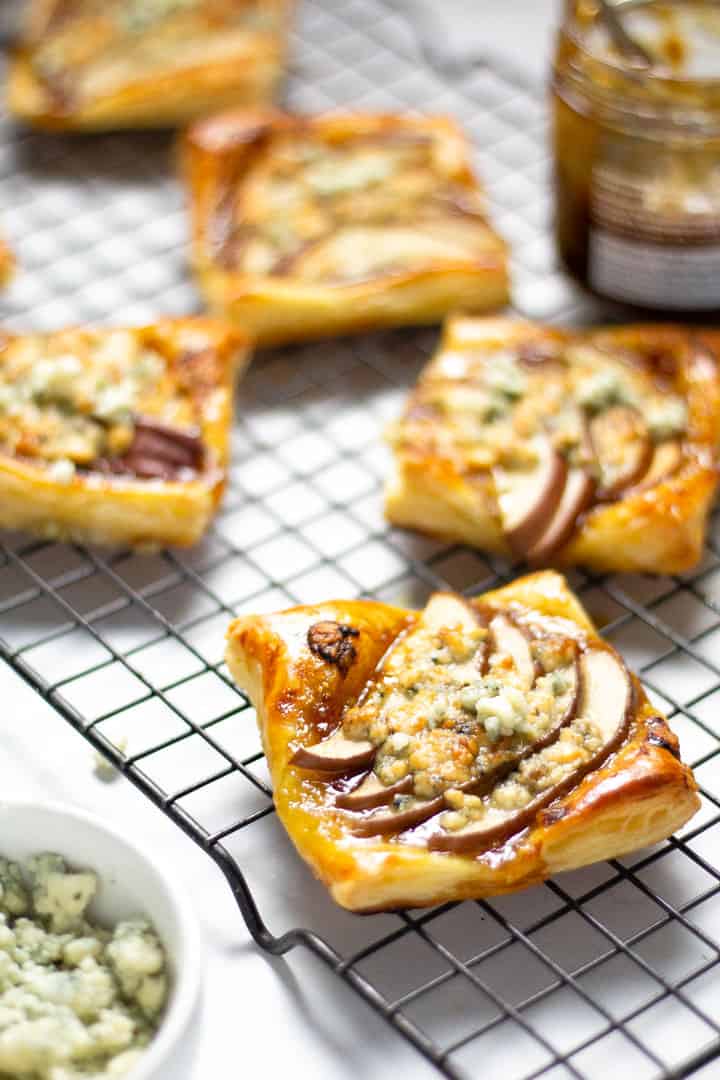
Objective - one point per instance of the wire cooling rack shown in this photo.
(610, 969)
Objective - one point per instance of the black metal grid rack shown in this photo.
(613, 967)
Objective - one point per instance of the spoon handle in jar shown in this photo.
(621, 39)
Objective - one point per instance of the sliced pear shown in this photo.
(371, 793)
(528, 498)
(667, 459)
(336, 754)
(606, 700)
(448, 609)
(577, 496)
(358, 252)
(623, 449)
(385, 822)
(511, 640)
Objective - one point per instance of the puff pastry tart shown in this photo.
(307, 227)
(116, 436)
(86, 65)
(593, 448)
(470, 749)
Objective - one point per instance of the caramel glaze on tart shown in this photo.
(467, 750)
(550, 445)
(474, 722)
(117, 436)
(111, 402)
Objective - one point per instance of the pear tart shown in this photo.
(117, 436)
(100, 64)
(594, 448)
(470, 749)
(304, 227)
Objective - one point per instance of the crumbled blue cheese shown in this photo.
(76, 1000)
(58, 894)
(61, 471)
(502, 713)
(504, 376)
(602, 389)
(12, 400)
(115, 403)
(55, 379)
(666, 417)
(13, 894)
(135, 16)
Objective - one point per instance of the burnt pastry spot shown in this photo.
(661, 737)
(553, 815)
(332, 641)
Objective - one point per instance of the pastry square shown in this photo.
(117, 436)
(306, 227)
(92, 65)
(595, 448)
(471, 749)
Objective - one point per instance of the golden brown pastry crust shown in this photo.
(639, 796)
(7, 263)
(219, 156)
(203, 357)
(217, 77)
(656, 528)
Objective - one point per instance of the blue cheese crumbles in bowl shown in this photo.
(99, 955)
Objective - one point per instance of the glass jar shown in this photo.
(637, 155)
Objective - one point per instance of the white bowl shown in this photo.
(130, 883)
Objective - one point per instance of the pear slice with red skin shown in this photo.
(442, 610)
(667, 459)
(527, 498)
(336, 754)
(385, 822)
(342, 756)
(577, 496)
(623, 449)
(607, 699)
(512, 640)
(447, 609)
(371, 793)
(397, 821)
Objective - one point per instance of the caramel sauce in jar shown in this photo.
(637, 154)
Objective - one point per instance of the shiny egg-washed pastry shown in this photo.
(90, 65)
(7, 263)
(305, 227)
(470, 749)
(117, 436)
(595, 448)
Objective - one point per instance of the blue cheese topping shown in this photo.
(76, 1000)
(439, 714)
(69, 398)
(343, 210)
(483, 408)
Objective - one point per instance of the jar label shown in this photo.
(679, 278)
(656, 240)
